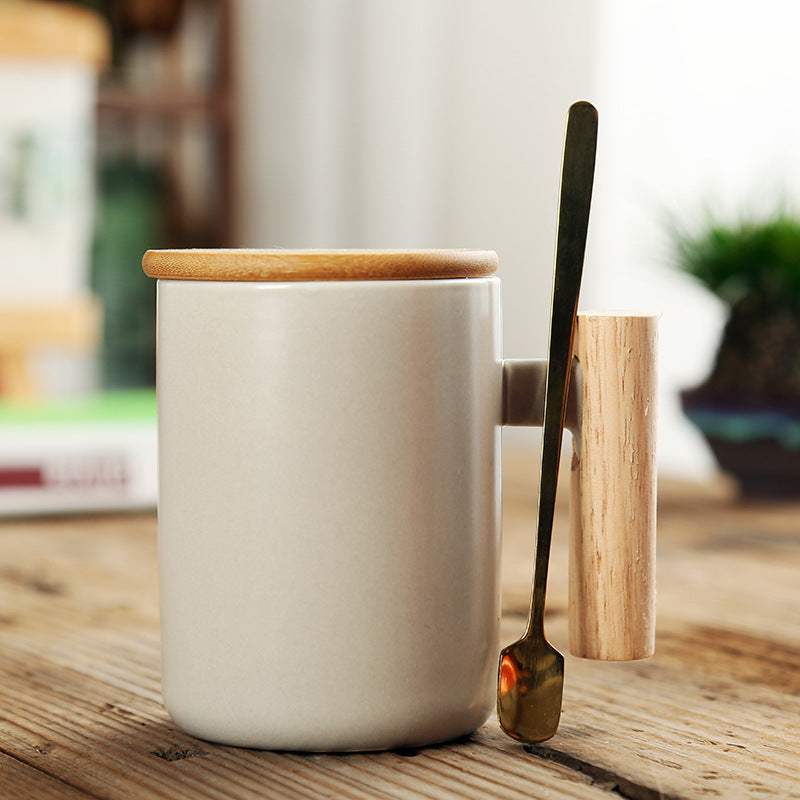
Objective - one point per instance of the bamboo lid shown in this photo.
(49, 31)
(317, 265)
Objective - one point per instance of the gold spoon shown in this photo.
(531, 675)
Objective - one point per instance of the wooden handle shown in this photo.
(613, 489)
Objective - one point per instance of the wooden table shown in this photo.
(716, 713)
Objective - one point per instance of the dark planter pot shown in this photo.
(758, 446)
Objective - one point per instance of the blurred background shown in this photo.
(135, 124)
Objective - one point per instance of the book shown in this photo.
(95, 453)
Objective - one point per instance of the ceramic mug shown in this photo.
(329, 495)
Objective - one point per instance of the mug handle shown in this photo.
(611, 412)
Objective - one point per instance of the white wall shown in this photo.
(698, 107)
(439, 123)
(414, 123)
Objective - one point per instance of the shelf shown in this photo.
(164, 103)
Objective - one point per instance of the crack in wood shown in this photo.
(175, 753)
(732, 659)
(600, 777)
(41, 584)
(37, 767)
(748, 538)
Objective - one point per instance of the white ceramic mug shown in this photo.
(329, 507)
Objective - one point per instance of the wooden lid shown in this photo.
(317, 265)
(49, 31)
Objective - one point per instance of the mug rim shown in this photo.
(240, 264)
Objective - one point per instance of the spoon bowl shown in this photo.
(530, 689)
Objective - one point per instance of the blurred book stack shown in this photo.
(116, 132)
(65, 445)
(95, 453)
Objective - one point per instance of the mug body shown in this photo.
(329, 509)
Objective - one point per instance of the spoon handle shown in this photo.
(573, 221)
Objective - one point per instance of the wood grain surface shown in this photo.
(613, 500)
(317, 265)
(714, 714)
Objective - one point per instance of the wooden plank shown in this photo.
(714, 714)
(19, 781)
(111, 743)
(78, 660)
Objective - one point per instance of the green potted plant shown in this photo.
(749, 406)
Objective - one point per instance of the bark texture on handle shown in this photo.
(613, 489)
